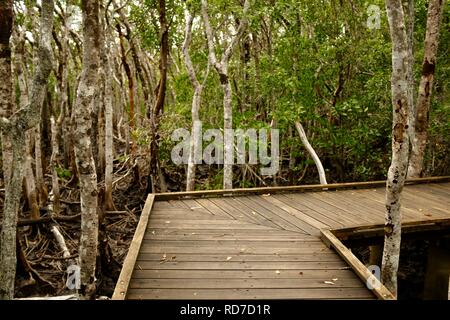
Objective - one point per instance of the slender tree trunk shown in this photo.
(222, 70)
(56, 205)
(29, 179)
(313, 154)
(9, 223)
(130, 78)
(15, 128)
(86, 95)
(409, 9)
(420, 137)
(109, 133)
(400, 144)
(40, 184)
(6, 91)
(194, 150)
(155, 169)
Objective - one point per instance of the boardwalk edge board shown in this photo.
(360, 269)
(123, 282)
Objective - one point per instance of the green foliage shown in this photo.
(63, 173)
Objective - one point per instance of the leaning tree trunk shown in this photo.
(84, 105)
(419, 140)
(400, 144)
(15, 129)
(304, 138)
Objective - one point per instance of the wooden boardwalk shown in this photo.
(264, 246)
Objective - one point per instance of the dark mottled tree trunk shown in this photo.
(420, 136)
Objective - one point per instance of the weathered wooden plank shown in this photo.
(121, 288)
(428, 191)
(178, 204)
(328, 256)
(328, 208)
(342, 204)
(210, 223)
(249, 210)
(238, 214)
(299, 205)
(149, 248)
(375, 196)
(283, 219)
(253, 238)
(243, 283)
(236, 265)
(185, 215)
(233, 294)
(213, 208)
(231, 232)
(378, 289)
(219, 244)
(244, 274)
(295, 213)
(307, 200)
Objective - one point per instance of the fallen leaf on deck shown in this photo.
(328, 282)
(254, 213)
(194, 208)
(277, 272)
(335, 279)
(229, 258)
(266, 195)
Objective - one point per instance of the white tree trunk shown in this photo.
(313, 154)
(400, 143)
(83, 107)
(190, 179)
(109, 133)
(420, 136)
(222, 69)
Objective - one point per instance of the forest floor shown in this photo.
(42, 270)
